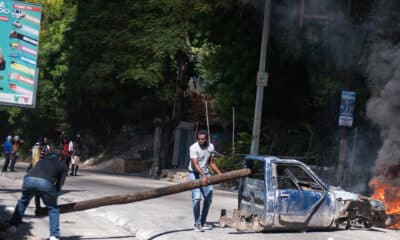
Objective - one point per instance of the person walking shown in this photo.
(75, 159)
(45, 180)
(7, 153)
(66, 153)
(201, 156)
(14, 154)
(61, 138)
(44, 148)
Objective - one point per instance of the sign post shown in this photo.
(347, 109)
(346, 112)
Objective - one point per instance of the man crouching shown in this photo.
(45, 179)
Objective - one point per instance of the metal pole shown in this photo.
(255, 140)
(351, 160)
(343, 157)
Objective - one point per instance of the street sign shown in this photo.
(262, 79)
(19, 45)
(347, 108)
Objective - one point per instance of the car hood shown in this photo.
(339, 193)
(343, 195)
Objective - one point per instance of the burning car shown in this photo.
(285, 194)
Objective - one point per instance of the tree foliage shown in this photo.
(105, 64)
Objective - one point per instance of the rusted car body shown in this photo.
(285, 194)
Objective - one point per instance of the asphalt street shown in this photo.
(163, 218)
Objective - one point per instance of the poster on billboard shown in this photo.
(347, 109)
(19, 44)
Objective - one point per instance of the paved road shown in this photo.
(168, 217)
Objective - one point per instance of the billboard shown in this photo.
(19, 44)
(347, 108)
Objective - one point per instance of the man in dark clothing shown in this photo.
(7, 153)
(45, 179)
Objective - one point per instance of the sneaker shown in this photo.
(197, 228)
(206, 227)
(54, 238)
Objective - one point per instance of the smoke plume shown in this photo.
(383, 108)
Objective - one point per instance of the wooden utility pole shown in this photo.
(149, 194)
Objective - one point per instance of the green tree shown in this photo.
(53, 54)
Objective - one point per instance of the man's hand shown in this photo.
(204, 180)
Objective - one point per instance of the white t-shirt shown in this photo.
(70, 146)
(202, 155)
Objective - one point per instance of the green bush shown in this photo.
(229, 162)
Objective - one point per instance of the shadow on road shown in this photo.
(10, 190)
(169, 232)
(93, 238)
(65, 191)
(214, 224)
(23, 232)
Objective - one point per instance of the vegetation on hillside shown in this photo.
(109, 64)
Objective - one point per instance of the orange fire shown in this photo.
(387, 191)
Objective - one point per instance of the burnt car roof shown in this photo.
(274, 159)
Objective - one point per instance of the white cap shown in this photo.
(16, 138)
(9, 138)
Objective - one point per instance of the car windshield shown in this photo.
(294, 177)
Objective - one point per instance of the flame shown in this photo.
(389, 193)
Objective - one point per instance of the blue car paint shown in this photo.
(287, 195)
(300, 206)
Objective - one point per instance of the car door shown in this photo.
(252, 189)
(298, 196)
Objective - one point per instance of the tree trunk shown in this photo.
(185, 69)
(167, 142)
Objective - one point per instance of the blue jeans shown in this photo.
(206, 191)
(14, 158)
(37, 186)
(7, 161)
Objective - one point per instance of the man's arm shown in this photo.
(61, 178)
(214, 166)
(196, 166)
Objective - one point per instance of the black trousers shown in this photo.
(6, 162)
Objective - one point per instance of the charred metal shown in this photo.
(285, 194)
